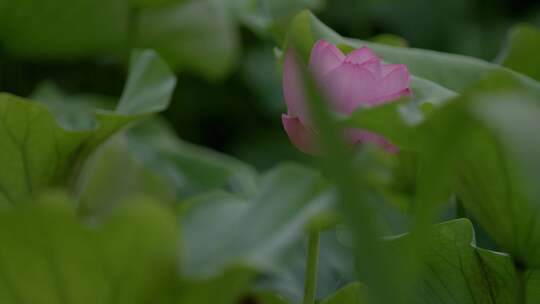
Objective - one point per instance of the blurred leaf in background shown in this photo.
(475, 28)
(521, 52)
(161, 165)
(197, 35)
(33, 139)
(60, 29)
(266, 17)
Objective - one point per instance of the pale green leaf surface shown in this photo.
(256, 233)
(195, 35)
(149, 86)
(38, 152)
(73, 112)
(190, 169)
(113, 174)
(271, 16)
(521, 52)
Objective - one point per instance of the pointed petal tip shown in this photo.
(293, 87)
(300, 136)
(362, 55)
(325, 57)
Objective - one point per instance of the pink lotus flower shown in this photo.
(351, 81)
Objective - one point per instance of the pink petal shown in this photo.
(374, 66)
(350, 86)
(324, 58)
(357, 136)
(388, 68)
(352, 81)
(301, 136)
(395, 78)
(293, 88)
(361, 55)
(365, 57)
(394, 84)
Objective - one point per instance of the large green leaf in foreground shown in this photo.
(41, 150)
(456, 271)
(125, 259)
(500, 180)
(442, 140)
(485, 144)
(486, 141)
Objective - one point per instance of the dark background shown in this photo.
(239, 112)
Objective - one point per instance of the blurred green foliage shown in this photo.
(183, 209)
(83, 45)
(453, 144)
(49, 257)
(520, 54)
